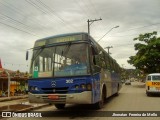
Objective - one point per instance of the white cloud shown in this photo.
(60, 16)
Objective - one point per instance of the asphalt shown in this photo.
(15, 103)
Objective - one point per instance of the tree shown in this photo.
(147, 58)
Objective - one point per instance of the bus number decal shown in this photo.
(155, 83)
(69, 81)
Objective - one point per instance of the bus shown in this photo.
(153, 84)
(72, 69)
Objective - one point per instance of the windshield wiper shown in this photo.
(38, 52)
(65, 51)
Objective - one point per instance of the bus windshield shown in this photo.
(156, 77)
(58, 61)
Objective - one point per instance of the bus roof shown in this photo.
(154, 74)
(62, 35)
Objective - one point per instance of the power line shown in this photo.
(82, 8)
(138, 28)
(96, 12)
(90, 8)
(41, 8)
(123, 45)
(50, 10)
(18, 11)
(36, 6)
(16, 21)
(18, 29)
(13, 64)
(54, 13)
(129, 35)
(94, 8)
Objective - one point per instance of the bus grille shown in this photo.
(61, 90)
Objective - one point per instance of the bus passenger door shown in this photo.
(95, 75)
(96, 88)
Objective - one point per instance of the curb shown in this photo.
(28, 109)
(32, 108)
(12, 98)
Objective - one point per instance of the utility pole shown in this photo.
(108, 48)
(9, 80)
(91, 23)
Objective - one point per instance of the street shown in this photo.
(18, 101)
(131, 98)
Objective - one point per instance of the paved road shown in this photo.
(131, 98)
(12, 102)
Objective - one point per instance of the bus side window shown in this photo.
(93, 56)
(149, 78)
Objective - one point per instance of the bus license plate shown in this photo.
(53, 97)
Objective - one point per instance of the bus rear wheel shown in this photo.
(59, 106)
(148, 94)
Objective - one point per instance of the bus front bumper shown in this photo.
(74, 98)
(152, 91)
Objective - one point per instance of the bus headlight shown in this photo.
(31, 88)
(89, 86)
(77, 87)
(36, 89)
(83, 86)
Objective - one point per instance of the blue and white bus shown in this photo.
(72, 69)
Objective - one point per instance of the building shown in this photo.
(13, 81)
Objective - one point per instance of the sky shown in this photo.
(22, 22)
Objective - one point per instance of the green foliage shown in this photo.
(147, 57)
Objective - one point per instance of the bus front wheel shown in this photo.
(100, 104)
(59, 106)
(148, 94)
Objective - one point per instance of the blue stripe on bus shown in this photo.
(47, 85)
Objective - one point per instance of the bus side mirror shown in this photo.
(94, 51)
(97, 68)
(27, 54)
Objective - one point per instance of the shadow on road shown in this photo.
(81, 110)
(139, 85)
(15, 107)
(154, 95)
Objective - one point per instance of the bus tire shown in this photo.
(148, 94)
(59, 106)
(100, 103)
